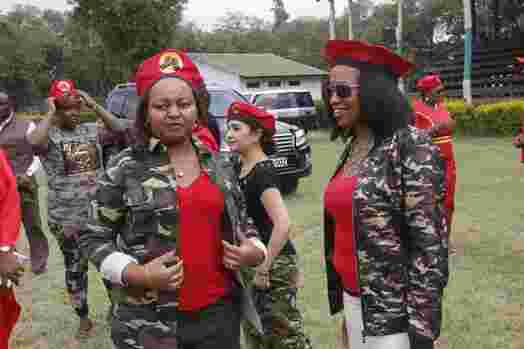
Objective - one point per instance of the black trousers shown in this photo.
(214, 327)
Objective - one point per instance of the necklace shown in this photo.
(359, 151)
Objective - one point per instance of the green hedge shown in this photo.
(492, 119)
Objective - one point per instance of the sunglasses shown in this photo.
(342, 89)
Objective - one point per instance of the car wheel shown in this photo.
(289, 186)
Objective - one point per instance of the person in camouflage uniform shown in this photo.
(386, 238)
(275, 283)
(71, 159)
(165, 205)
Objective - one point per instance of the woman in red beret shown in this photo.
(169, 226)
(432, 116)
(385, 225)
(250, 134)
(10, 271)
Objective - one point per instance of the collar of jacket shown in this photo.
(203, 152)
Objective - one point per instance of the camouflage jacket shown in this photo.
(135, 210)
(401, 237)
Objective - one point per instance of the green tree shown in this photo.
(131, 29)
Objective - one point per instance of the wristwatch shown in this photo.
(6, 249)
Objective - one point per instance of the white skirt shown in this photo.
(355, 326)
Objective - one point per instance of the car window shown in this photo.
(115, 104)
(284, 100)
(219, 101)
(131, 106)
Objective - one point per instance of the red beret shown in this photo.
(62, 88)
(238, 110)
(65, 94)
(363, 52)
(168, 62)
(428, 83)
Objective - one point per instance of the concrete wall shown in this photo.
(312, 84)
(212, 75)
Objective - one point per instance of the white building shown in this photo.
(247, 72)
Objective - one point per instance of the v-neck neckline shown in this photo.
(188, 187)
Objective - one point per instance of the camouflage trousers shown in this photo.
(282, 321)
(38, 244)
(143, 326)
(76, 267)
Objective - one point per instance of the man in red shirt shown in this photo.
(431, 115)
(10, 270)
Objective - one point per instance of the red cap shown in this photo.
(238, 110)
(62, 88)
(428, 83)
(363, 52)
(168, 62)
(520, 60)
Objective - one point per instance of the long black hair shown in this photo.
(382, 104)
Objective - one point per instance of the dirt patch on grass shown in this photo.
(518, 247)
(459, 238)
(515, 314)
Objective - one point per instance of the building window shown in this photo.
(294, 83)
(274, 83)
(253, 84)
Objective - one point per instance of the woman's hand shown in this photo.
(87, 99)
(157, 274)
(10, 268)
(238, 256)
(51, 106)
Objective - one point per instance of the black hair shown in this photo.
(266, 141)
(382, 104)
(143, 130)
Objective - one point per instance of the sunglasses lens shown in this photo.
(342, 91)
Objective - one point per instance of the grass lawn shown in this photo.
(484, 303)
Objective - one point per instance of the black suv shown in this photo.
(292, 155)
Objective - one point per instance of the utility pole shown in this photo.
(466, 83)
(332, 32)
(399, 37)
(350, 20)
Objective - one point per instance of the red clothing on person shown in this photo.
(205, 278)
(9, 204)
(338, 200)
(206, 137)
(9, 229)
(425, 118)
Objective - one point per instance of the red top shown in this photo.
(426, 117)
(205, 278)
(10, 218)
(338, 200)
